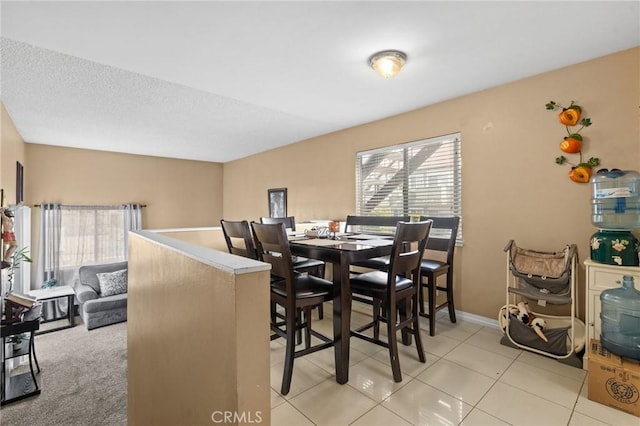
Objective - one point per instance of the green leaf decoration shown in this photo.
(561, 160)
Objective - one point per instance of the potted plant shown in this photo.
(16, 341)
(16, 258)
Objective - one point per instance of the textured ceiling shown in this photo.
(217, 81)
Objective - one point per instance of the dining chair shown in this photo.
(296, 293)
(373, 224)
(289, 221)
(239, 239)
(431, 269)
(235, 232)
(300, 264)
(384, 225)
(396, 292)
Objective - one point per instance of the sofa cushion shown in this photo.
(112, 282)
(87, 273)
(119, 301)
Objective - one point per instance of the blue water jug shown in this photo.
(620, 319)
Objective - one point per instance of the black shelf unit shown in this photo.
(24, 385)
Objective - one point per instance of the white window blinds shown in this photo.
(421, 178)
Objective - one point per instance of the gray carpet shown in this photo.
(83, 379)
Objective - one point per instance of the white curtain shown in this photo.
(72, 236)
(48, 266)
(132, 222)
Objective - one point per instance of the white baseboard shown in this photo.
(477, 319)
(465, 316)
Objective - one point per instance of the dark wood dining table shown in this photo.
(341, 253)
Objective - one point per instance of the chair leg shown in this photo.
(392, 318)
(307, 328)
(403, 308)
(421, 296)
(298, 329)
(319, 272)
(452, 310)
(416, 329)
(376, 319)
(291, 321)
(432, 306)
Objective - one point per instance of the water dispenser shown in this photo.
(615, 211)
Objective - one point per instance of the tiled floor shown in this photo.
(469, 379)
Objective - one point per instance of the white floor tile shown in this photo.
(305, 375)
(460, 382)
(380, 416)
(489, 339)
(374, 379)
(277, 352)
(543, 383)
(552, 365)
(469, 377)
(460, 330)
(276, 399)
(409, 362)
(578, 419)
(287, 415)
(438, 345)
(477, 359)
(332, 404)
(480, 418)
(521, 408)
(420, 404)
(325, 358)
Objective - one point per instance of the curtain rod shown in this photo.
(71, 205)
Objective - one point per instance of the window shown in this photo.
(90, 235)
(421, 178)
(71, 236)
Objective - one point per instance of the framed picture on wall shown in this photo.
(19, 183)
(277, 202)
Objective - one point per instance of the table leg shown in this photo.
(341, 320)
(70, 311)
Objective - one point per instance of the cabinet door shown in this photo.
(594, 310)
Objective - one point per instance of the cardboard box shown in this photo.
(613, 380)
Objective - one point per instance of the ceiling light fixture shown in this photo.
(388, 62)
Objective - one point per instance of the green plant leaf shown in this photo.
(561, 160)
(551, 105)
(593, 162)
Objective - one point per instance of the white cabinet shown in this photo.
(600, 277)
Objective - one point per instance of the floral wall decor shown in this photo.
(571, 118)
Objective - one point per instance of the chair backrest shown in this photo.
(272, 246)
(381, 224)
(235, 231)
(289, 221)
(409, 244)
(446, 244)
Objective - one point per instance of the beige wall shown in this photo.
(178, 193)
(512, 188)
(12, 149)
(180, 368)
